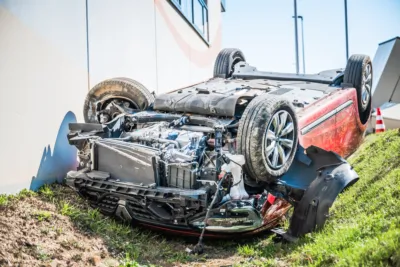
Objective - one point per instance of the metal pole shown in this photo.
(302, 44)
(347, 34)
(295, 36)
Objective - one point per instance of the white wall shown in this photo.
(42, 77)
(122, 41)
(149, 41)
(183, 58)
(44, 71)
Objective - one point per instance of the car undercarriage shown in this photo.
(221, 158)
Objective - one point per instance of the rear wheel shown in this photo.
(106, 99)
(358, 72)
(226, 61)
(267, 137)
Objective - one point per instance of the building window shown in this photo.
(196, 13)
(223, 6)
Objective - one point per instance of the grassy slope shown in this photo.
(364, 229)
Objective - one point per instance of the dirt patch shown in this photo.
(58, 228)
(33, 233)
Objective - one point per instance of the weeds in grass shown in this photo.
(247, 251)
(24, 193)
(46, 192)
(67, 209)
(127, 262)
(58, 230)
(41, 254)
(3, 200)
(6, 200)
(42, 215)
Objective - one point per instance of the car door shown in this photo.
(332, 123)
(317, 124)
(349, 128)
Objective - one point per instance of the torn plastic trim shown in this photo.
(332, 175)
(306, 165)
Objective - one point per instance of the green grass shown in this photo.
(9, 199)
(3, 200)
(42, 215)
(364, 229)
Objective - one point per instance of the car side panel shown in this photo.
(349, 129)
(332, 123)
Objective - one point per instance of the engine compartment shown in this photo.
(173, 167)
(186, 156)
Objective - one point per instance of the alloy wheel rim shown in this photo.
(366, 86)
(236, 59)
(278, 139)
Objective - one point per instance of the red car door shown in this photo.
(332, 123)
(349, 128)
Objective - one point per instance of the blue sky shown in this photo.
(264, 31)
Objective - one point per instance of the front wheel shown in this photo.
(267, 137)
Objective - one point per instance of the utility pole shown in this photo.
(346, 29)
(295, 36)
(302, 43)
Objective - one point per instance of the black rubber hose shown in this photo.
(199, 248)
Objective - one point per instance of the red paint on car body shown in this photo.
(341, 133)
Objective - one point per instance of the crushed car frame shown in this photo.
(225, 157)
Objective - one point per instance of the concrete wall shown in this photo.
(45, 71)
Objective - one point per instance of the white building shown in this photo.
(53, 51)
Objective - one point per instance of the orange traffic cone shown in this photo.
(380, 125)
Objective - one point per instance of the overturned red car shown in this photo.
(225, 157)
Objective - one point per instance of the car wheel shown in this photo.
(124, 91)
(226, 61)
(358, 72)
(268, 137)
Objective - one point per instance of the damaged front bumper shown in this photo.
(164, 207)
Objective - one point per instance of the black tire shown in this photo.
(124, 88)
(357, 68)
(251, 137)
(225, 62)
